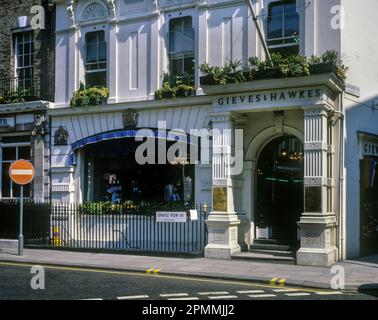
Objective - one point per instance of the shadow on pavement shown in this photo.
(369, 289)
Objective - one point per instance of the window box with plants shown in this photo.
(176, 87)
(329, 62)
(279, 67)
(19, 95)
(93, 96)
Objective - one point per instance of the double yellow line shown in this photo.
(152, 271)
(277, 282)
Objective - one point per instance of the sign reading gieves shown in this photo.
(370, 149)
(270, 97)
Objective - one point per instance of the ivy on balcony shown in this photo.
(279, 67)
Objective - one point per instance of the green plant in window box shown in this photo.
(212, 75)
(175, 86)
(92, 96)
(294, 66)
(184, 90)
(233, 71)
(165, 92)
(260, 69)
(328, 62)
(278, 67)
(20, 95)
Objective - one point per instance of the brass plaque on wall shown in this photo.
(313, 199)
(220, 199)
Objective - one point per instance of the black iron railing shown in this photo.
(16, 90)
(69, 226)
(36, 220)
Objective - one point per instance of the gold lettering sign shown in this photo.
(220, 199)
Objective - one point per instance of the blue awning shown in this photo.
(121, 134)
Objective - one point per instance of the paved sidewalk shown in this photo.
(362, 273)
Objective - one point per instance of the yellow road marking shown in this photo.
(281, 282)
(152, 271)
(140, 274)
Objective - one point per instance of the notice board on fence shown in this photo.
(165, 216)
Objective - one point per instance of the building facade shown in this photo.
(26, 91)
(309, 146)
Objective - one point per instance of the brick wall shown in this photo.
(44, 42)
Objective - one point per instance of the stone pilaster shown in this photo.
(223, 221)
(38, 156)
(318, 222)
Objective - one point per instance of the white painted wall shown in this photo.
(137, 40)
(360, 50)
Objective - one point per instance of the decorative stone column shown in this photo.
(318, 222)
(38, 156)
(223, 221)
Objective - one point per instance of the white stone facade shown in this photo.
(324, 116)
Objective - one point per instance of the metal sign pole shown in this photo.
(20, 236)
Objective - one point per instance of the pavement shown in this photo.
(360, 274)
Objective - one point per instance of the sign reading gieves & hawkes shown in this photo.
(267, 97)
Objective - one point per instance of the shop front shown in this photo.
(369, 194)
(128, 155)
(23, 135)
(286, 191)
(273, 171)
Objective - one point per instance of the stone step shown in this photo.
(263, 257)
(266, 241)
(281, 253)
(278, 247)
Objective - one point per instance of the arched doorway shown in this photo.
(280, 188)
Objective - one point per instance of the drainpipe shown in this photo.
(341, 179)
(259, 31)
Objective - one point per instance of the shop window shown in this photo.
(283, 28)
(24, 52)
(96, 59)
(369, 205)
(112, 174)
(10, 154)
(181, 46)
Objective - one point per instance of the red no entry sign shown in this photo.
(21, 172)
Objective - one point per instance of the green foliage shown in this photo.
(165, 92)
(129, 207)
(213, 75)
(278, 67)
(92, 96)
(333, 59)
(175, 86)
(330, 57)
(233, 71)
(184, 90)
(294, 66)
(20, 95)
(315, 60)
